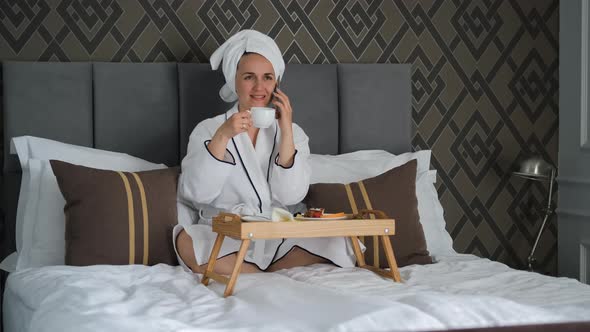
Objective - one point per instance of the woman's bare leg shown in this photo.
(224, 265)
(296, 257)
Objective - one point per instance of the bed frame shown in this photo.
(149, 110)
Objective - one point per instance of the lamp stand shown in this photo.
(548, 212)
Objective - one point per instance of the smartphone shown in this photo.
(273, 97)
(277, 86)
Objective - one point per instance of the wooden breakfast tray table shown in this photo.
(226, 224)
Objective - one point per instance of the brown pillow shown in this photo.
(118, 217)
(393, 192)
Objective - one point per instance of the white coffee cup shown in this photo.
(262, 117)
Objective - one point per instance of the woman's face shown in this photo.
(255, 81)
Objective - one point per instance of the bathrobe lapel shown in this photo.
(255, 162)
(266, 149)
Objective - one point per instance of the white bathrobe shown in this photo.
(249, 181)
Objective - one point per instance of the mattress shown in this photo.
(459, 291)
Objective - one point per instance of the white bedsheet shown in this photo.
(457, 292)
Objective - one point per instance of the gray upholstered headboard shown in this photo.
(149, 110)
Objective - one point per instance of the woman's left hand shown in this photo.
(284, 110)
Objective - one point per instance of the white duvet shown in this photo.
(458, 292)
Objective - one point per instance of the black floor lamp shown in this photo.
(537, 169)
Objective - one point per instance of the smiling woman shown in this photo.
(255, 80)
(231, 165)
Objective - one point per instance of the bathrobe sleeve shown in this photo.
(289, 185)
(203, 175)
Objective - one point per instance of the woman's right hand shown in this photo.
(236, 124)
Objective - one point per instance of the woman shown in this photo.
(233, 166)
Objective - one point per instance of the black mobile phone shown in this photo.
(275, 90)
(274, 97)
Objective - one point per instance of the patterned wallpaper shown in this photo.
(485, 80)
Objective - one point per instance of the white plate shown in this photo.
(316, 219)
(254, 218)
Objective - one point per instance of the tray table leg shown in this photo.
(360, 258)
(212, 258)
(239, 260)
(390, 258)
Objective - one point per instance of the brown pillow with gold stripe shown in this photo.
(118, 217)
(393, 192)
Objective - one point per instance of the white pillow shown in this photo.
(360, 165)
(9, 263)
(43, 222)
(23, 198)
(438, 240)
(23, 211)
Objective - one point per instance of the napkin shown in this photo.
(279, 214)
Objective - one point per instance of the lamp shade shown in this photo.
(535, 168)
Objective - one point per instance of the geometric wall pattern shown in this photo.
(485, 80)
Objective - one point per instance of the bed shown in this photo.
(148, 111)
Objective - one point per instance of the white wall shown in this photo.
(574, 142)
